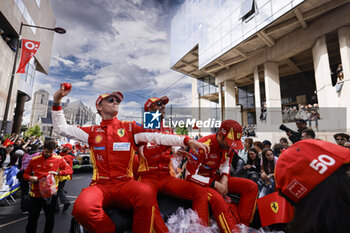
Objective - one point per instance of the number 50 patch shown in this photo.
(322, 163)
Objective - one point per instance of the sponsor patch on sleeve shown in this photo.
(99, 148)
(194, 157)
(121, 146)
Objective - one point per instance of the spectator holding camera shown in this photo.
(295, 136)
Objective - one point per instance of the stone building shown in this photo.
(76, 113)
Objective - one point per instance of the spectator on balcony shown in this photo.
(302, 113)
(292, 113)
(286, 114)
(314, 116)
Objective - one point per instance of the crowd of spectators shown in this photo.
(248, 131)
(308, 113)
(14, 147)
(18, 151)
(258, 159)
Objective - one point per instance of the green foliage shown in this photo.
(181, 131)
(33, 131)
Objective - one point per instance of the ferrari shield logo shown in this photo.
(121, 132)
(274, 207)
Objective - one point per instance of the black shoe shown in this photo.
(66, 206)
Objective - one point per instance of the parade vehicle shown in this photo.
(272, 211)
(82, 160)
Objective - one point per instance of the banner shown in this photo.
(29, 48)
(9, 184)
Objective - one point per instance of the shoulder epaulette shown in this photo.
(126, 121)
(36, 157)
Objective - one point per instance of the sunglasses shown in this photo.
(158, 103)
(111, 100)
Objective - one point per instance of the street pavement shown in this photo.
(12, 219)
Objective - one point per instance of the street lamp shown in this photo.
(7, 107)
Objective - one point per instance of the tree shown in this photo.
(33, 131)
(181, 131)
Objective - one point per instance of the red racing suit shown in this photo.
(112, 146)
(203, 169)
(69, 159)
(40, 167)
(154, 170)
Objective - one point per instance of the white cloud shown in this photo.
(114, 45)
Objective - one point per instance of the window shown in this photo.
(206, 86)
(248, 10)
(246, 96)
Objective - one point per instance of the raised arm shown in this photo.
(60, 125)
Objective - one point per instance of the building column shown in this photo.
(257, 96)
(231, 111)
(344, 45)
(221, 103)
(273, 95)
(326, 93)
(332, 115)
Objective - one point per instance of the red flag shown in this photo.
(274, 209)
(7, 142)
(29, 48)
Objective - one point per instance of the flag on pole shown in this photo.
(29, 48)
(7, 142)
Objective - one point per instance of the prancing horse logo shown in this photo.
(121, 132)
(274, 207)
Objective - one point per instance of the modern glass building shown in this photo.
(248, 54)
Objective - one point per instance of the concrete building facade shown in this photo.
(266, 53)
(12, 14)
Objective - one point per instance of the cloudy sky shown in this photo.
(114, 45)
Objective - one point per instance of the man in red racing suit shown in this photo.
(154, 168)
(38, 168)
(112, 146)
(203, 169)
